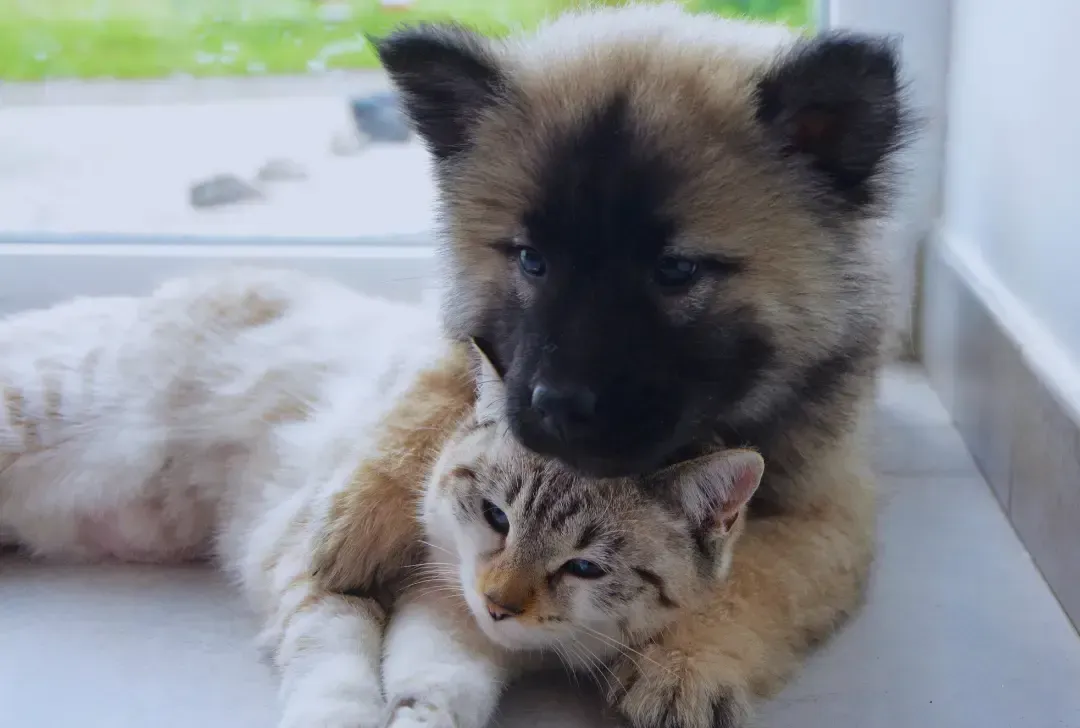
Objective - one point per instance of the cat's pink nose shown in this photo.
(498, 611)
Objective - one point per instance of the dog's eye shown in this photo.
(583, 569)
(496, 518)
(673, 273)
(532, 262)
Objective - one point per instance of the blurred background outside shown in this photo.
(237, 119)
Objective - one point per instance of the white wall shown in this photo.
(1012, 172)
(923, 29)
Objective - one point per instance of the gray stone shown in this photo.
(223, 189)
(348, 142)
(379, 116)
(281, 170)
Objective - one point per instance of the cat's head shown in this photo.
(547, 557)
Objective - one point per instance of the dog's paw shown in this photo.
(411, 712)
(663, 688)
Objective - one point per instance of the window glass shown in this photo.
(225, 119)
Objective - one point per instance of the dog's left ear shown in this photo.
(447, 75)
(490, 387)
(836, 102)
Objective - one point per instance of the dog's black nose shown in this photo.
(564, 409)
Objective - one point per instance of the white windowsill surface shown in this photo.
(37, 274)
(959, 630)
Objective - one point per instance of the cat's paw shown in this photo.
(411, 712)
(664, 688)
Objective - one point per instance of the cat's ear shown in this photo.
(490, 387)
(447, 76)
(713, 489)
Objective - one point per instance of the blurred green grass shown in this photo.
(131, 39)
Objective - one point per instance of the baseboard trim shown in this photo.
(1038, 347)
(1014, 394)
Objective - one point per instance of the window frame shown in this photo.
(35, 274)
(37, 270)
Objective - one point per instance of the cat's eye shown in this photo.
(584, 569)
(532, 262)
(673, 273)
(495, 517)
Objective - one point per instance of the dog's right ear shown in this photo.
(490, 387)
(447, 75)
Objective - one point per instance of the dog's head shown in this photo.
(655, 222)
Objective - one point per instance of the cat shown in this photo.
(224, 415)
(525, 557)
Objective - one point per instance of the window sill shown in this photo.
(37, 274)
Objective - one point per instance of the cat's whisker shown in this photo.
(595, 673)
(432, 576)
(434, 586)
(442, 597)
(434, 568)
(622, 647)
(427, 578)
(565, 661)
(576, 664)
(431, 563)
(431, 579)
(605, 669)
(591, 660)
(437, 547)
(442, 594)
(418, 579)
(606, 665)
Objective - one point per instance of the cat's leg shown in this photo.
(328, 660)
(326, 646)
(796, 577)
(439, 670)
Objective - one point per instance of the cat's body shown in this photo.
(215, 417)
(126, 420)
(222, 416)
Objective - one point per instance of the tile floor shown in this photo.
(960, 631)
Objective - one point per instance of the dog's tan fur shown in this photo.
(742, 202)
(795, 579)
(803, 561)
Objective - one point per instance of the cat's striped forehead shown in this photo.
(545, 497)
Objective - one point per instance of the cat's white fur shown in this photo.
(168, 427)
